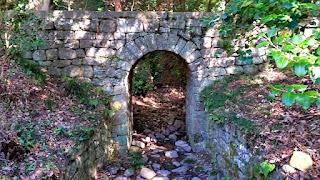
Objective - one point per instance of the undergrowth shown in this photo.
(219, 95)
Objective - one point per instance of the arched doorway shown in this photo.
(158, 85)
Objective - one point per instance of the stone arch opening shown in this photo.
(158, 107)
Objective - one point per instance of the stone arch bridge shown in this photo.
(105, 46)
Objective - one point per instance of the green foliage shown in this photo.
(264, 168)
(287, 46)
(79, 88)
(136, 161)
(33, 70)
(27, 133)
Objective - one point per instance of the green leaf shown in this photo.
(288, 98)
(318, 51)
(300, 69)
(272, 32)
(299, 87)
(261, 34)
(268, 18)
(282, 62)
(318, 103)
(312, 93)
(303, 100)
(263, 44)
(297, 39)
(278, 40)
(94, 102)
(287, 48)
(296, 50)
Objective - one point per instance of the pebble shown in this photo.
(196, 178)
(160, 136)
(113, 170)
(160, 178)
(155, 155)
(288, 169)
(171, 154)
(156, 166)
(178, 124)
(128, 173)
(172, 128)
(120, 178)
(176, 163)
(163, 172)
(181, 169)
(147, 173)
(173, 137)
(144, 158)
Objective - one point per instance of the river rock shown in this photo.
(120, 178)
(173, 137)
(288, 169)
(160, 178)
(178, 124)
(113, 170)
(301, 161)
(128, 173)
(176, 163)
(147, 173)
(171, 154)
(163, 172)
(181, 169)
(156, 166)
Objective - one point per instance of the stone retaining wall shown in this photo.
(104, 47)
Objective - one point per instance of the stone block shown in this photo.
(73, 44)
(179, 47)
(102, 43)
(61, 35)
(72, 71)
(88, 71)
(108, 36)
(121, 118)
(67, 53)
(39, 55)
(54, 71)
(89, 25)
(222, 62)
(117, 44)
(151, 25)
(84, 35)
(90, 61)
(97, 82)
(80, 53)
(52, 54)
(188, 49)
(207, 41)
(151, 42)
(129, 25)
(250, 69)
(61, 63)
(99, 72)
(234, 70)
(172, 42)
(257, 60)
(175, 24)
(134, 49)
(120, 130)
(108, 26)
(67, 24)
(140, 42)
(192, 57)
(99, 52)
(86, 43)
(45, 63)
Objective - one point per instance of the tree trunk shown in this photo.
(209, 6)
(118, 5)
(45, 5)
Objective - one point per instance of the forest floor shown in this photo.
(40, 124)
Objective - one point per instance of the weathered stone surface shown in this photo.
(61, 63)
(147, 173)
(84, 35)
(288, 169)
(39, 55)
(171, 154)
(67, 24)
(66, 53)
(250, 69)
(72, 71)
(88, 71)
(52, 54)
(129, 25)
(108, 26)
(301, 161)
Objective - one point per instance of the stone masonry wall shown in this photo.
(104, 47)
